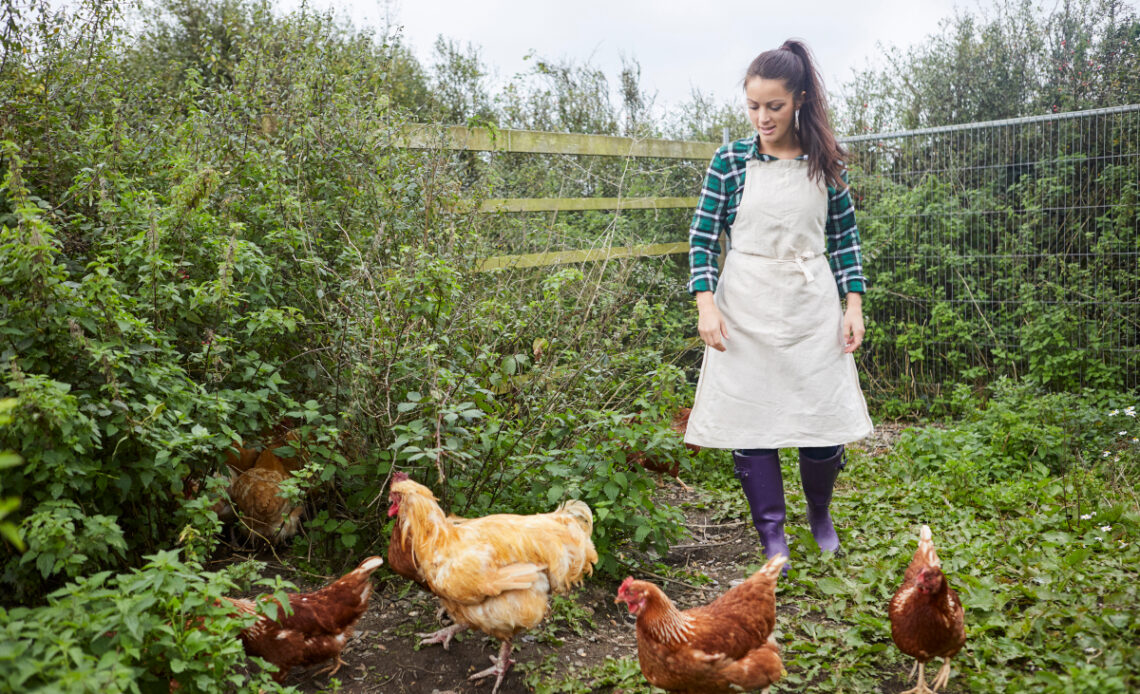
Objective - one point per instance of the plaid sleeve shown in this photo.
(843, 241)
(708, 221)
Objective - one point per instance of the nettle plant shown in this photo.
(159, 627)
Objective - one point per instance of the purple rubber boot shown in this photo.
(763, 485)
(818, 477)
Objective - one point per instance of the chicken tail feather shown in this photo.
(242, 605)
(926, 546)
(771, 569)
(369, 565)
(759, 669)
(579, 511)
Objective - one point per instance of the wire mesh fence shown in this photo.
(1002, 248)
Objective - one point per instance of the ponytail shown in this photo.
(792, 63)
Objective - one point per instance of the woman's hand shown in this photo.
(710, 324)
(853, 329)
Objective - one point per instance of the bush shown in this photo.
(145, 630)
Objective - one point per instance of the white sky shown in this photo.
(680, 45)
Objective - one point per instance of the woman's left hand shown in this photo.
(853, 329)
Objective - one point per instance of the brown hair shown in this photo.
(792, 63)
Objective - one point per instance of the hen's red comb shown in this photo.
(400, 476)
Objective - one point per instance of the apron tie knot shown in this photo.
(803, 268)
(808, 276)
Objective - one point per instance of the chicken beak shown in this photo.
(629, 602)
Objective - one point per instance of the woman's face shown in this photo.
(771, 109)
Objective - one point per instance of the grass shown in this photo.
(1050, 601)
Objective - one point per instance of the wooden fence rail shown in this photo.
(458, 137)
(534, 142)
(582, 204)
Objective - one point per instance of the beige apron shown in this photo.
(783, 379)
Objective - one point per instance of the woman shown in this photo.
(778, 368)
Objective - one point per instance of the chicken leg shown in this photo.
(331, 669)
(921, 688)
(942, 677)
(499, 669)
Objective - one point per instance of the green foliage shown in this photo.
(566, 615)
(1013, 59)
(614, 674)
(620, 493)
(8, 459)
(139, 631)
(1006, 250)
(208, 233)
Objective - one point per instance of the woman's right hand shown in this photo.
(710, 324)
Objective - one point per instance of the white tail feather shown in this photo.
(370, 564)
(771, 569)
(926, 546)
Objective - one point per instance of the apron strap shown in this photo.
(798, 260)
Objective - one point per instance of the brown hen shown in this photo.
(679, 426)
(725, 646)
(319, 627)
(264, 511)
(927, 619)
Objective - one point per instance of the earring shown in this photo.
(797, 119)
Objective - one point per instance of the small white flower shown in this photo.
(1087, 516)
(1104, 454)
(1090, 651)
(1130, 411)
(1135, 440)
(1114, 413)
(1106, 528)
(1122, 433)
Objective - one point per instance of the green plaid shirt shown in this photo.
(716, 211)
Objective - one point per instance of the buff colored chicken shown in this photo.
(256, 494)
(495, 573)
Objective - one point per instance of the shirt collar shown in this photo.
(755, 153)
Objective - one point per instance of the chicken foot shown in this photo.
(499, 669)
(921, 688)
(942, 677)
(442, 636)
(331, 669)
